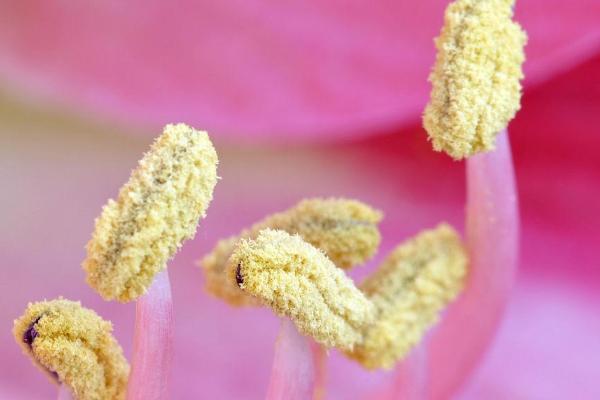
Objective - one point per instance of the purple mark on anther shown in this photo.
(238, 275)
(31, 333)
(55, 376)
(29, 336)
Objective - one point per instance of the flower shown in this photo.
(48, 152)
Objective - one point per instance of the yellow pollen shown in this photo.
(409, 290)
(476, 86)
(73, 342)
(155, 212)
(298, 281)
(345, 230)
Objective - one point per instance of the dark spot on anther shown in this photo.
(238, 275)
(29, 336)
(31, 333)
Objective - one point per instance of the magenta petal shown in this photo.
(153, 342)
(293, 374)
(492, 239)
(318, 70)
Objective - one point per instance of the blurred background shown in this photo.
(301, 99)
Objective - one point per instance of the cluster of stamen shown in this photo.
(376, 323)
(294, 261)
(345, 230)
(157, 209)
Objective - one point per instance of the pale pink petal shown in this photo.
(153, 343)
(293, 374)
(492, 239)
(547, 346)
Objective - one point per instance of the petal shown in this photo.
(257, 68)
(550, 330)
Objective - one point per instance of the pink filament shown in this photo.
(64, 393)
(436, 369)
(492, 225)
(153, 343)
(295, 372)
(410, 378)
(320, 364)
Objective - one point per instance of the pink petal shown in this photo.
(153, 343)
(547, 346)
(293, 374)
(492, 239)
(306, 70)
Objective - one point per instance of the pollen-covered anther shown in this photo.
(409, 290)
(298, 281)
(476, 86)
(346, 230)
(157, 209)
(74, 345)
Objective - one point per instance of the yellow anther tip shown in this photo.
(298, 281)
(157, 209)
(412, 286)
(73, 342)
(346, 230)
(476, 86)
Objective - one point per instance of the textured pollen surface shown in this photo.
(298, 281)
(155, 212)
(346, 230)
(415, 282)
(476, 86)
(75, 344)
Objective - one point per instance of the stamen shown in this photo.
(476, 86)
(298, 281)
(409, 290)
(75, 346)
(345, 230)
(155, 212)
